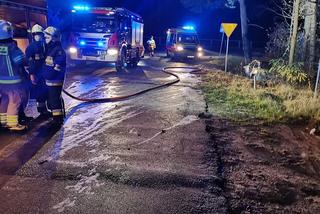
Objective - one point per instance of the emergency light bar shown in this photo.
(188, 27)
(81, 7)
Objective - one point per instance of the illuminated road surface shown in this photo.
(149, 154)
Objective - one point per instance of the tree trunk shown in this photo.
(293, 39)
(306, 36)
(244, 28)
(310, 37)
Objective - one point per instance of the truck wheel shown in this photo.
(121, 61)
(177, 58)
(168, 54)
(134, 62)
(174, 57)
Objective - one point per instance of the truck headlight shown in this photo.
(112, 52)
(73, 50)
(180, 48)
(200, 49)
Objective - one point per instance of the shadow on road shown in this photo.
(35, 141)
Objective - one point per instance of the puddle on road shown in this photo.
(87, 124)
(64, 204)
(86, 184)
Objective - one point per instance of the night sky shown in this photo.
(159, 15)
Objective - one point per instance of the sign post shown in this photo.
(317, 82)
(222, 40)
(228, 29)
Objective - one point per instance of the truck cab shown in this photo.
(183, 43)
(107, 35)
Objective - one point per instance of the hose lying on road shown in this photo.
(125, 97)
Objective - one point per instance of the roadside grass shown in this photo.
(235, 64)
(233, 97)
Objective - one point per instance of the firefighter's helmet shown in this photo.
(36, 29)
(6, 30)
(53, 33)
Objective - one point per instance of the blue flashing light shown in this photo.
(82, 42)
(81, 7)
(100, 44)
(188, 27)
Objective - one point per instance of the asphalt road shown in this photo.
(149, 154)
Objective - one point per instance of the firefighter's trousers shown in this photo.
(13, 96)
(41, 94)
(55, 101)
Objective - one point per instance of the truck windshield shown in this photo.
(188, 38)
(93, 23)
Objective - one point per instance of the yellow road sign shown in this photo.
(229, 28)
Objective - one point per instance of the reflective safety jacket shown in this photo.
(152, 43)
(55, 64)
(35, 55)
(12, 61)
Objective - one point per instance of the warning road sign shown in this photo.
(229, 28)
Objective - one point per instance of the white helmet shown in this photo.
(37, 29)
(6, 30)
(52, 34)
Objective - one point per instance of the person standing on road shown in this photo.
(54, 73)
(152, 46)
(12, 90)
(35, 54)
(22, 117)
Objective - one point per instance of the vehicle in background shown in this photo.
(107, 35)
(183, 43)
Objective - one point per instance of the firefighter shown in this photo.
(54, 73)
(152, 46)
(12, 90)
(35, 54)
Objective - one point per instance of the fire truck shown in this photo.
(107, 35)
(183, 43)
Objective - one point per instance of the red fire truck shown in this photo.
(106, 34)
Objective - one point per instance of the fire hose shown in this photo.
(125, 97)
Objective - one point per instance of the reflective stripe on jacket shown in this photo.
(51, 83)
(152, 44)
(11, 64)
(55, 62)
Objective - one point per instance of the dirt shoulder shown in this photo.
(267, 168)
(268, 165)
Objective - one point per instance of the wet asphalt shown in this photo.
(148, 154)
